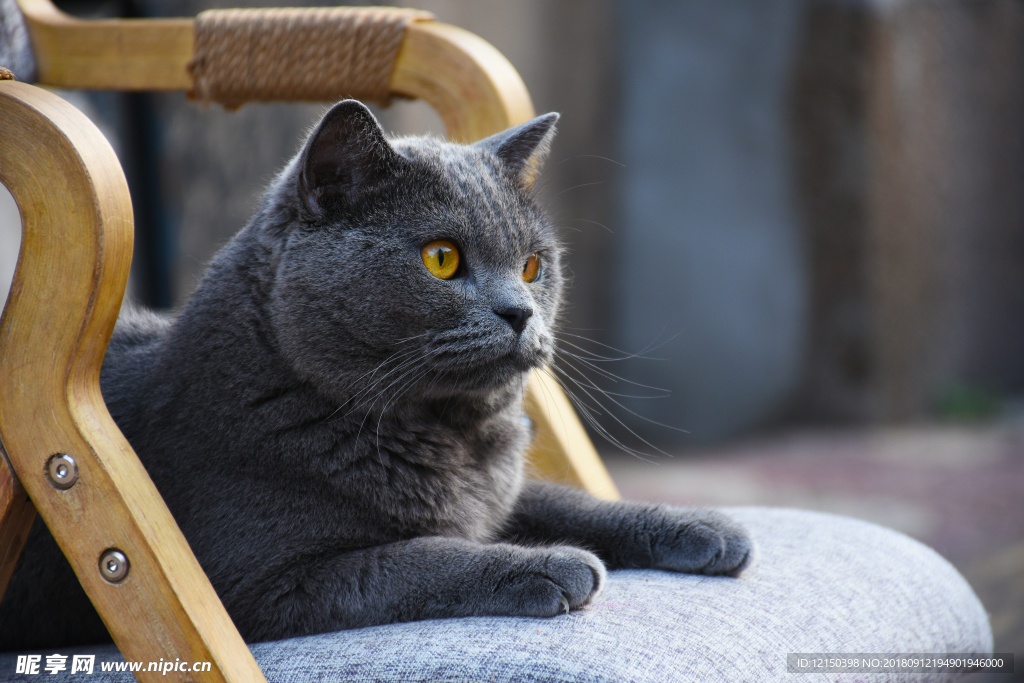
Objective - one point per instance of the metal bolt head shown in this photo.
(113, 565)
(62, 470)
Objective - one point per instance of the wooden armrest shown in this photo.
(71, 275)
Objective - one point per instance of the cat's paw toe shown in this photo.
(736, 550)
(705, 543)
(552, 581)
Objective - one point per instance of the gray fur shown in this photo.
(339, 433)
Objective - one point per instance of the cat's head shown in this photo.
(415, 264)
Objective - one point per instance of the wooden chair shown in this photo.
(71, 277)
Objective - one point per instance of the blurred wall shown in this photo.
(821, 210)
(908, 130)
(946, 199)
(711, 265)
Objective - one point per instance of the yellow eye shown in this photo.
(441, 258)
(531, 269)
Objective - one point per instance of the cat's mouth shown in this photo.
(478, 369)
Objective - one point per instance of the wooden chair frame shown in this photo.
(77, 233)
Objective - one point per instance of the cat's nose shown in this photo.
(514, 316)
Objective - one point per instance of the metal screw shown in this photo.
(63, 471)
(113, 565)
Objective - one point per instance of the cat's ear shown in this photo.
(346, 154)
(524, 147)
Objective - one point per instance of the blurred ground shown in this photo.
(955, 488)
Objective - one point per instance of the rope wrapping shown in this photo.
(309, 54)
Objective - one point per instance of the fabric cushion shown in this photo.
(819, 583)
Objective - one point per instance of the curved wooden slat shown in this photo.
(474, 88)
(561, 451)
(108, 54)
(71, 275)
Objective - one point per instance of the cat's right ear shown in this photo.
(345, 155)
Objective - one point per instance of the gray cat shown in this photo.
(335, 417)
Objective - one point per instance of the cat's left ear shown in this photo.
(525, 147)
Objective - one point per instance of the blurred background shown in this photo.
(799, 222)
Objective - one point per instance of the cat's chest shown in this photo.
(407, 476)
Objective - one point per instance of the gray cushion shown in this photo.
(819, 583)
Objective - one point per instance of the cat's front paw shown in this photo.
(545, 582)
(701, 542)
